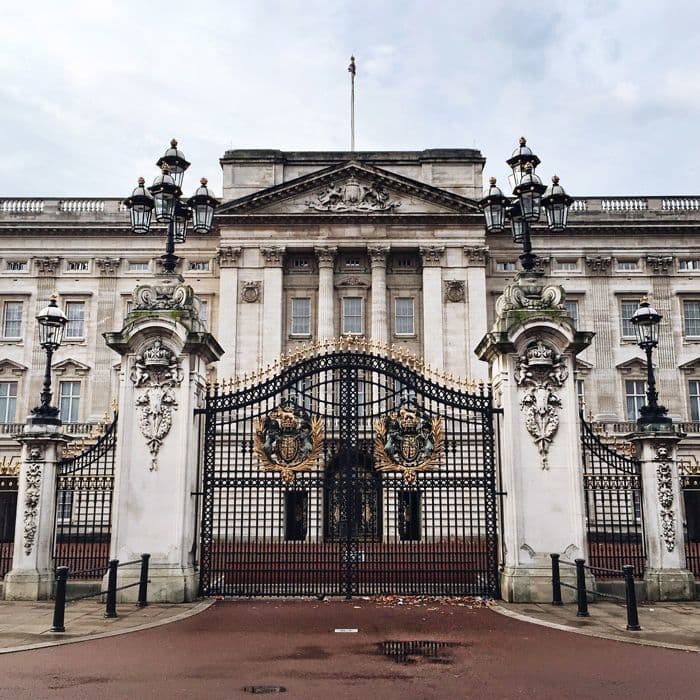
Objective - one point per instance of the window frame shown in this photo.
(636, 397)
(5, 304)
(70, 303)
(344, 315)
(292, 317)
(72, 398)
(8, 399)
(694, 400)
(630, 335)
(696, 319)
(577, 306)
(412, 332)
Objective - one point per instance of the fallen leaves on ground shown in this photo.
(390, 601)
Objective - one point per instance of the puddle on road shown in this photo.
(408, 652)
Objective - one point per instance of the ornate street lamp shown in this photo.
(52, 321)
(164, 198)
(646, 321)
(529, 197)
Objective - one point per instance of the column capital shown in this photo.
(378, 254)
(431, 255)
(326, 255)
(598, 265)
(273, 255)
(47, 266)
(108, 266)
(477, 256)
(660, 264)
(227, 256)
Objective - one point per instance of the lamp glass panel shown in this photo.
(140, 218)
(164, 206)
(202, 215)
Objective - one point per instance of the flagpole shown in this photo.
(352, 70)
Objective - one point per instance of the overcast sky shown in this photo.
(608, 93)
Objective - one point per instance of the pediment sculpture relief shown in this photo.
(353, 196)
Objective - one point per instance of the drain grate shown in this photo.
(264, 689)
(408, 651)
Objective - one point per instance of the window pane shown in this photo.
(69, 401)
(75, 311)
(627, 309)
(352, 315)
(635, 398)
(301, 316)
(8, 401)
(694, 393)
(12, 320)
(572, 310)
(404, 316)
(691, 317)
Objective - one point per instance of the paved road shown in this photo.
(293, 644)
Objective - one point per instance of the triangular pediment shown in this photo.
(351, 188)
(70, 366)
(8, 367)
(634, 364)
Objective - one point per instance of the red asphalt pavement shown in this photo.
(293, 644)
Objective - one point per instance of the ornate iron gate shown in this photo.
(348, 472)
(612, 482)
(9, 476)
(85, 482)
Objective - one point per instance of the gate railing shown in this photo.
(84, 487)
(689, 472)
(612, 483)
(9, 477)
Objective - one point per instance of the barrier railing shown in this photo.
(62, 574)
(582, 592)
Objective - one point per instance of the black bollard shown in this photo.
(111, 608)
(556, 580)
(59, 608)
(143, 581)
(581, 598)
(631, 595)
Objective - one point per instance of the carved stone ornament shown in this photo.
(598, 265)
(35, 454)
(664, 485)
(541, 264)
(540, 370)
(352, 281)
(431, 255)
(250, 291)
(477, 255)
(454, 290)
(108, 266)
(529, 294)
(156, 372)
(377, 254)
(31, 506)
(47, 266)
(227, 256)
(353, 196)
(408, 440)
(288, 440)
(326, 254)
(660, 264)
(170, 294)
(273, 255)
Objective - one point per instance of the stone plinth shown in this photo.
(531, 351)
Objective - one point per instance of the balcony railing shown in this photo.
(623, 427)
(31, 207)
(9, 429)
(613, 206)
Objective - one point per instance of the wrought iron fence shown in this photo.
(690, 485)
(612, 483)
(84, 486)
(8, 510)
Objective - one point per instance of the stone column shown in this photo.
(531, 350)
(227, 256)
(165, 351)
(432, 306)
(326, 314)
(380, 326)
(666, 575)
(32, 574)
(273, 300)
(477, 305)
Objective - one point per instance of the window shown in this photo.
(627, 309)
(405, 318)
(301, 316)
(505, 266)
(352, 315)
(567, 265)
(300, 264)
(635, 397)
(627, 265)
(296, 506)
(405, 263)
(64, 506)
(362, 398)
(77, 265)
(409, 515)
(204, 311)
(199, 265)
(12, 319)
(572, 310)
(693, 265)
(352, 263)
(691, 318)
(69, 401)
(301, 393)
(694, 395)
(17, 265)
(8, 402)
(139, 266)
(580, 392)
(75, 311)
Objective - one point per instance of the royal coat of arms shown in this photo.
(288, 440)
(408, 440)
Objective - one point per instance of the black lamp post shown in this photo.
(646, 321)
(530, 196)
(52, 321)
(164, 198)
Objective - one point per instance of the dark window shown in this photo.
(409, 515)
(8, 511)
(692, 514)
(295, 515)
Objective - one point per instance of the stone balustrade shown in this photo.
(625, 427)
(54, 207)
(8, 430)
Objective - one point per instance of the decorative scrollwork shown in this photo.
(408, 440)
(31, 505)
(664, 484)
(167, 295)
(353, 196)
(288, 440)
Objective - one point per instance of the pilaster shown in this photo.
(379, 322)
(433, 330)
(273, 300)
(227, 258)
(477, 258)
(326, 315)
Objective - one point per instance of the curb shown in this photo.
(200, 607)
(589, 633)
